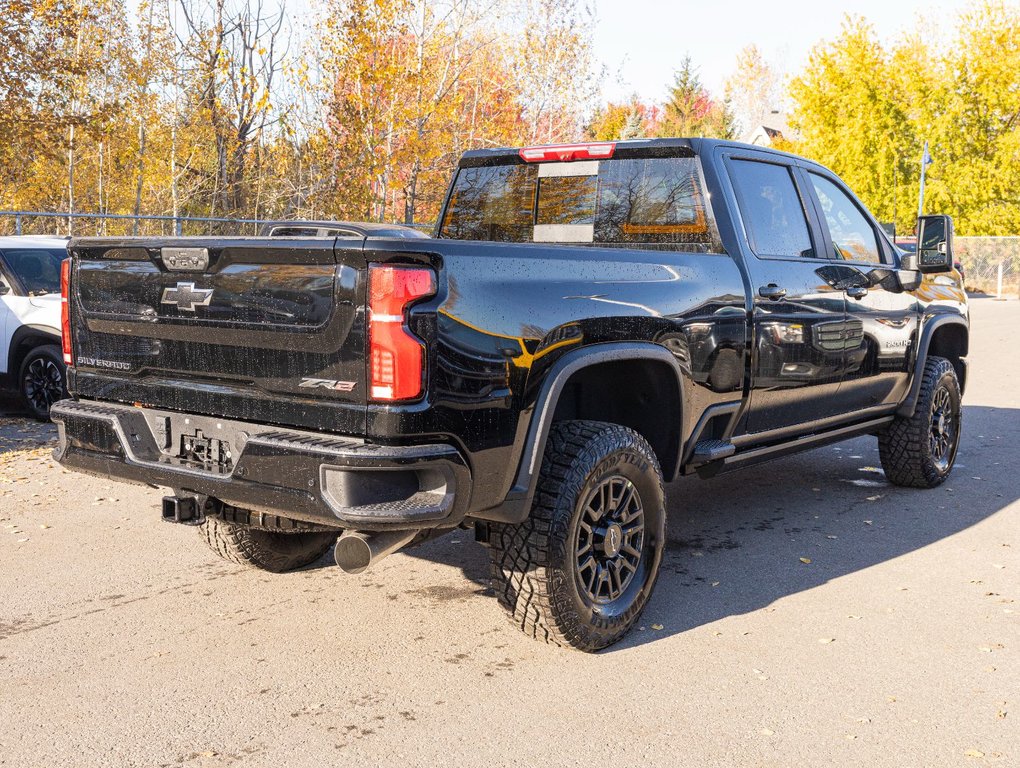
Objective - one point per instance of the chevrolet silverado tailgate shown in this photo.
(254, 329)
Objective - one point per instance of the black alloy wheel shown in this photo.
(942, 441)
(610, 534)
(43, 380)
(919, 450)
(580, 569)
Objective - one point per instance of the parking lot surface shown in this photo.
(808, 613)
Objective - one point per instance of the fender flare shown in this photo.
(52, 335)
(906, 408)
(518, 501)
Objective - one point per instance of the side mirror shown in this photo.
(4, 288)
(934, 244)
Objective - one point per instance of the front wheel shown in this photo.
(43, 380)
(919, 451)
(579, 571)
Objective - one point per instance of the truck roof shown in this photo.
(664, 147)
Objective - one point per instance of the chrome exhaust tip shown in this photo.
(355, 551)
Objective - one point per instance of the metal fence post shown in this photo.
(17, 224)
(998, 293)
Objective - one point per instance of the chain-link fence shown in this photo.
(116, 225)
(990, 262)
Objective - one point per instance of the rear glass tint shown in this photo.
(641, 203)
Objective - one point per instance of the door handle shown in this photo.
(771, 291)
(857, 292)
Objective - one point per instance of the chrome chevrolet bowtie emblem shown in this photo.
(185, 296)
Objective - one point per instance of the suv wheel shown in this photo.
(579, 571)
(919, 451)
(274, 551)
(43, 380)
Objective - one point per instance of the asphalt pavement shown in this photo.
(808, 613)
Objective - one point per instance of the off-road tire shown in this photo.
(272, 551)
(906, 445)
(42, 380)
(535, 570)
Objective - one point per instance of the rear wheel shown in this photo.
(43, 380)
(274, 551)
(919, 451)
(579, 571)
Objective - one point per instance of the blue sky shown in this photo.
(643, 41)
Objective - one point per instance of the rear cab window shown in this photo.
(630, 202)
(771, 209)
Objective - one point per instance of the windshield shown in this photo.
(639, 203)
(37, 269)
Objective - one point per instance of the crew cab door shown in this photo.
(878, 367)
(800, 325)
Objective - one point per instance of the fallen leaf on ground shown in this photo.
(826, 640)
(656, 626)
(806, 560)
(974, 753)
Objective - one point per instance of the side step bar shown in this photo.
(712, 450)
(749, 456)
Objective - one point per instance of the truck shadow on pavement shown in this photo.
(737, 543)
(21, 433)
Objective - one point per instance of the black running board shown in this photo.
(756, 455)
(712, 450)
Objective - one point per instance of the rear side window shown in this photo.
(655, 203)
(37, 269)
(853, 237)
(771, 209)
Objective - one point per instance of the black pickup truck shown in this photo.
(588, 323)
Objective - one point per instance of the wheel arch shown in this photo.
(946, 336)
(653, 405)
(24, 340)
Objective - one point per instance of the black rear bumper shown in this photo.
(337, 481)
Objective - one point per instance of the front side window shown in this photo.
(37, 269)
(655, 203)
(853, 237)
(771, 209)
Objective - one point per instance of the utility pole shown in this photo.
(894, 199)
(925, 162)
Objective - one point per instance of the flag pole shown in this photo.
(925, 159)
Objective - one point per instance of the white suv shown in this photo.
(31, 361)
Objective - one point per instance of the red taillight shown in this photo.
(65, 310)
(396, 357)
(602, 150)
